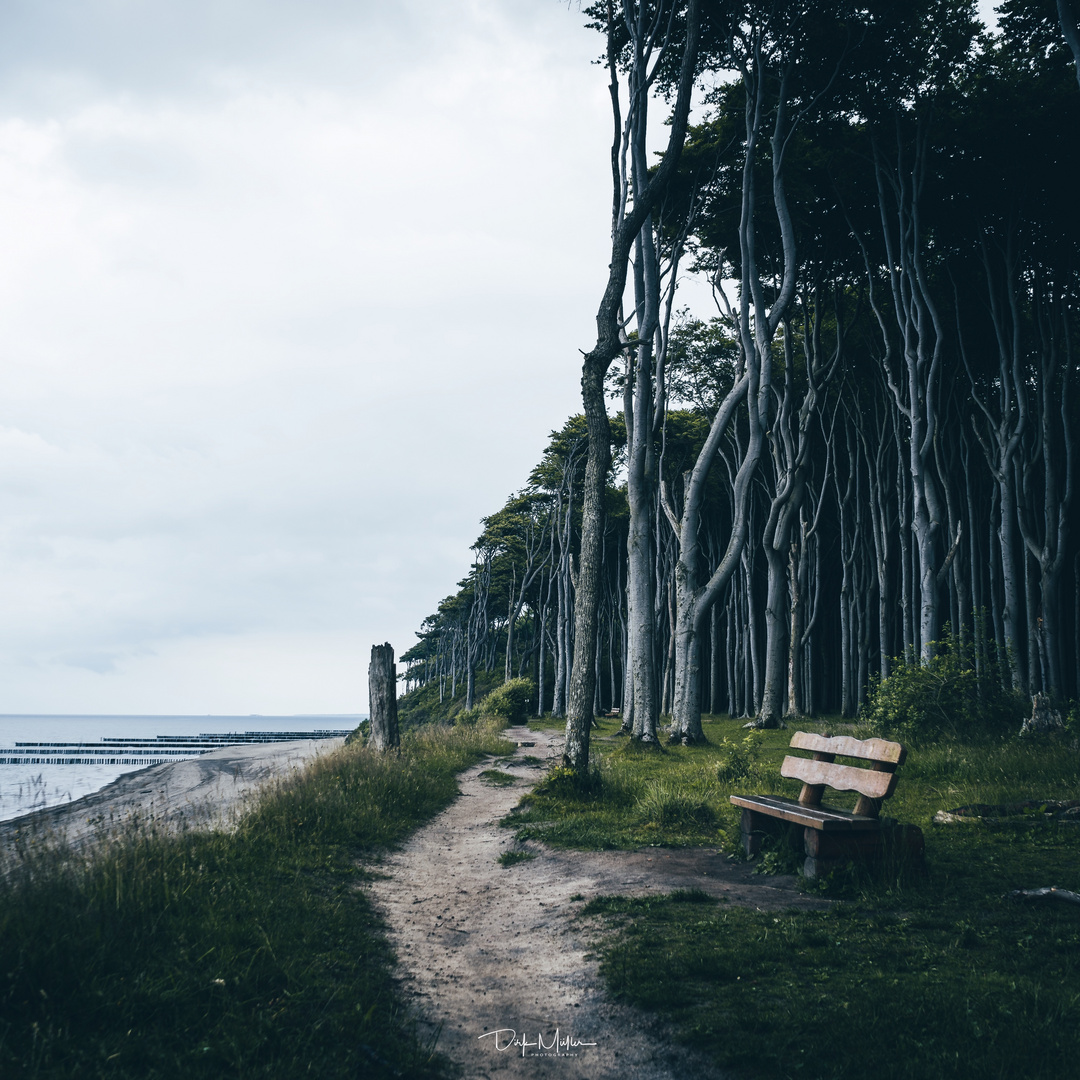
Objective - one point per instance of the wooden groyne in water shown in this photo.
(148, 751)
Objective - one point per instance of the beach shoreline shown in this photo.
(195, 793)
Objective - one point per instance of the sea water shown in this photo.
(25, 788)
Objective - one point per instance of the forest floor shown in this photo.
(492, 953)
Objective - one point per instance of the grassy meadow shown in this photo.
(943, 976)
(251, 953)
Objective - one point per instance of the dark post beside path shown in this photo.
(382, 697)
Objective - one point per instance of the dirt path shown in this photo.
(490, 955)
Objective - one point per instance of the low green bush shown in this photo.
(509, 702)
(562, 782)
(741, 759)
(945, 697)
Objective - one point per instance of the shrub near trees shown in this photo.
(870, 438)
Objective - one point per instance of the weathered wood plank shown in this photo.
(816, 817)
(845, 746)
(842, 845)
(872, 784)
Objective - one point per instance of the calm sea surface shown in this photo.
(33, 787)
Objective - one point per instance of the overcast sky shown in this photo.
(291, 294)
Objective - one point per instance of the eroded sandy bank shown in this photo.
(194, 793)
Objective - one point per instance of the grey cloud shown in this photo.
(164, 46)
(102, 663)
(132, 161)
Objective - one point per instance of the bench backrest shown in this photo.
(873, 784)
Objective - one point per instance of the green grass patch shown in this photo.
(546, 723)
(676, 796)
(915, 990)
(251, 953)
(515, 856)
(497, 778)
(427, 704)
(622, 905)
(942, 977)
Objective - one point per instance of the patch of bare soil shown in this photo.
(495, 959)
(200, 792)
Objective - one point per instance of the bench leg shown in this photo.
(826, 852)
(756, 826)
(814, 868)
(753, 828)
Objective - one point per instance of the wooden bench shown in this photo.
(833, 837)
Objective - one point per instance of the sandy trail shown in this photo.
(194, 793)
(491, 954)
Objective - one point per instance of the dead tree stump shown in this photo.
(1044, 719)
(382, 697)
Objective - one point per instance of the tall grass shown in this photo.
(253, 952)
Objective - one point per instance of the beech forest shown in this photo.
(862, 456)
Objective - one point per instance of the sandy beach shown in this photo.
(197, 792)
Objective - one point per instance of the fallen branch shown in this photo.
(1050, 892)
(1028, 808)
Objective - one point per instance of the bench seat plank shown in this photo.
(874, 785)
(815, 817)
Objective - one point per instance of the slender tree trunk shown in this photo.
(558, 702)
(794, 657)
(625, 230)
(997, 606)
(640, 556)
(579, 715)
(776, 624)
